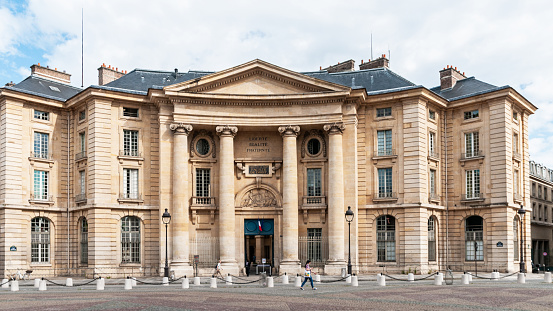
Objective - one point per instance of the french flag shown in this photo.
(259, 225)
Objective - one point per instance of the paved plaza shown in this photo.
(505, 294)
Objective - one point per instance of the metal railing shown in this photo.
(44, 197)
(472, 196)
(130, 153)
(130, 196)
(207, 201)
(80, 155)
(314, 248)
(385, 153)
(208, 250)
(433, 154)
(517, 197)
(472, 154)
(385, 195)
(433, 197)
(516, 155)
(314, 200)
(41, 155)
(80, 197)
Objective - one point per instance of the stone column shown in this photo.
(181, 197)
(227, 221)
(290, 259)
(336, 212)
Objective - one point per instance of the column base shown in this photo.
(290, 267)
(180, 269)
(335, 267)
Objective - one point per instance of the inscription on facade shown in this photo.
(258, 144)
(258, 169)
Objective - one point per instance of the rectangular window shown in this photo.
(432, 144)
(130, 240)
(515, 116)
(385, 238)
(314, 182)
(385, 183)
(515, 143)
(545, 213)
(432, 182)
(82, 115)
(432, 114)
(314, 244)
(472, 145)
(473, 184)
(515, 239)
(384, 142)
(130, 143)
(40, 240)
(130, 112)
(40, 191)
(82, 178)
(40, 147)
(203, 182)
(383, 112)
(431, 239)
(130, 184)
(471, 114)
(84, 241)
(82, 140)
(42, 115)
(515, 182)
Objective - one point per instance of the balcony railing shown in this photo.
(41, 155)
(203, 201)
(385, 153)
(516, 155)
(43, 197)
(81, 155)
(517, 197)
(433, 154)
(433, 197)
(80, 197)
(130, 153)
(314, 200)
(472, 196)
(472, 154)
(130, 196)
(385, 195)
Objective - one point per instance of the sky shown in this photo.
(500, 42)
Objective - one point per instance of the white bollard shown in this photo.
(317, 278)
(470, 276)
(228, 280)
(437, 280)
(521, 278)
(213, 283)
(285, 279)
(165, 281)
(354, 281)
(128, 284)
(411, 277)
(465, 279)
(270, 282)
(185, 283)
(15, 286)
(196, 280)
(348, 279)
(547, 277)
(5, 283)
(133, 282)
(495, 276)
(381, 280)
(42, 286)
(37, 283)
(69, 282)
(100, 284)
(297, 282)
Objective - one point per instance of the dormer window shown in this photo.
(130, 112)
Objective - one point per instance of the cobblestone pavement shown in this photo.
(505, 294)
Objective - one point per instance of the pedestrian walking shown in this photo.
(308, 275)
(218, 269)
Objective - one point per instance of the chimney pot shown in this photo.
(52, 74)
(39, 64)
(108, 74)
(449, 77)
(348, 65)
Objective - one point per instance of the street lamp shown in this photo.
(521, 213)
(166, 218)
(349, 219)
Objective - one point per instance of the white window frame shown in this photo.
(385, 182)
(41, 185)
(41, 142)
(472, 184)
(40, 240)
(82, 181)
(131, 143)
(130, 240)
(41, 115)
(83, 224)
(432, 238)
(384, 112)
(131, 188)
(432, 181)
(385, 239)
(472, 236)
(472, 144)
(384, 142)
(432, 143)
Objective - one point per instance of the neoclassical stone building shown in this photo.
(541, 197)
(259, 163)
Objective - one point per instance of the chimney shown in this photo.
(348, 65)
(381, 62)
(10, 83)
(49, 73)
(108, 74)
(449, 77)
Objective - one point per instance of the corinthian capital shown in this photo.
(226, 130)
(289, 130)
(334, 128)
(181, 128)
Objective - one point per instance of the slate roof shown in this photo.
(38, 86)
(465, 88)
(141, 80)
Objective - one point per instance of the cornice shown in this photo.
(243, 100)
(29, 98)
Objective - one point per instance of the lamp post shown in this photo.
(166, 218)
(521, 213)
(349, 219)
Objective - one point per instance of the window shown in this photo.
(314, 182)
(545, 213)
(432, 144)
(130, 143)
(82, 140)
(534, 210)
(384, 142)
(40, 240)
(432, 182)
(472, 145)
(130, 183)
(515, 182)
(82, 115)
(533, 189)
(202, 147)
(130, 239)
(515, 116)
(82, 179)
(203, 176)
(386, 238)
(40, 148)
(473, 184)
(84, 241)
(313, 147)
(515, 239)
(431, 239)
(515, 143)
(474, 238)
(539, 212)
(385, 183)
(130, 112)
(383, 112)
(40, 186)
(42, 115)
(432, 114)
(314, 244)
(471, 114)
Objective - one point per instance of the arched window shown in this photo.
(84, 241)
(431, 239)
(40, 240)
(474, 238)
(130, 239)
(386, 238)
(515, 239)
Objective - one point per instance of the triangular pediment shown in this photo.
(256, 78)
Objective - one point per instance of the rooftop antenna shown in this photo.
(389, 55)
(82, 47)
(371, 45)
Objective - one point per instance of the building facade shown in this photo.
(258, 163)
(541, 179)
